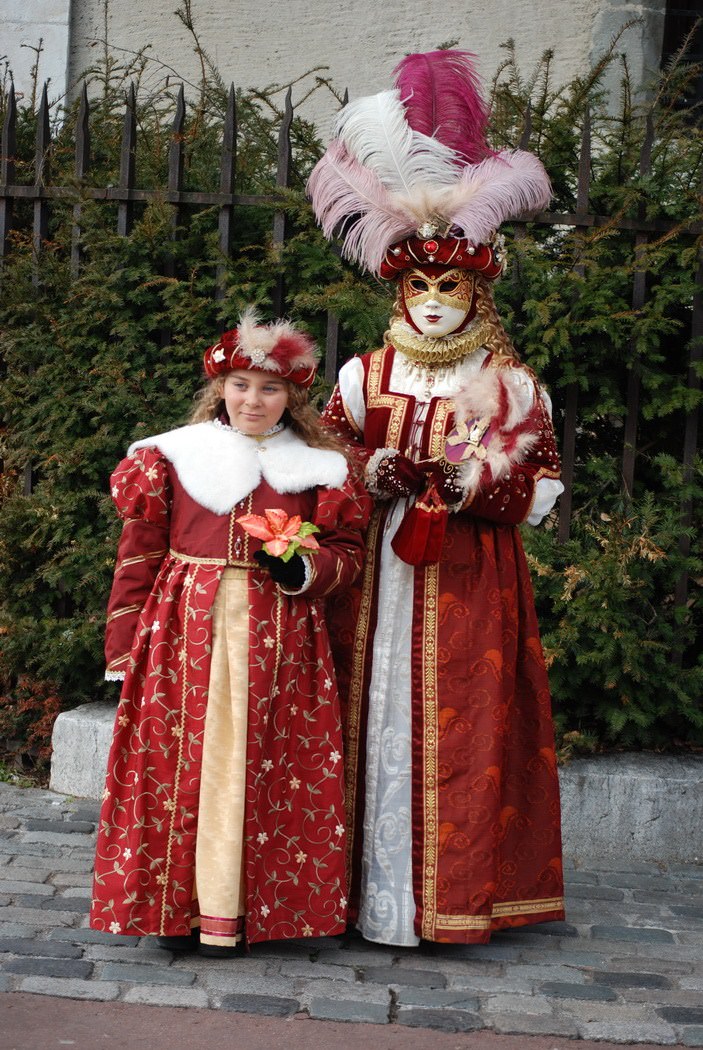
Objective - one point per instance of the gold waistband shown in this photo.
(192, 560)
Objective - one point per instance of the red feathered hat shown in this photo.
(456, 252)
(278, 348)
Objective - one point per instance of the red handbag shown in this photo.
(420, 534)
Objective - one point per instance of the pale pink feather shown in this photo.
(441, 94)
(486, 195)
(350, 201)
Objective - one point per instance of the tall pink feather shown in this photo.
(442, 98)
(346, 194)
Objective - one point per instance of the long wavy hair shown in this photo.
(299, 415)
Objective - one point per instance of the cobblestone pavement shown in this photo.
(626, 967)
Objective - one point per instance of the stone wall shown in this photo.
(357, 43)
(22, 26)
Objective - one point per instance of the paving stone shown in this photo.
(138, 974)
(455, 997)
(348, 1010)
(46, 866)
(305, 991)
(8, 822)
(260, 1004)
(19, 929)
(538, 973)
(662, 997)
(689, 911)
(316, 971)
(69, 988)
(70, 879)
(532, 1024)
(38, 948)
(161, 995)
(44, 916)
(69, 904)
(487, 985)
(35, 889)
(594, 893)
(126, 954)
(87, 811)
(395, 975)
(554, 929)
(681, 1014)
(57, 838)
(648, 934)
(661, 1034)
(630, 880)
(25, 850)
(441, 1020)
(564, 957)
(513, 1004)
(565, 990)
(623, 979)
(50, 967)
(75, 893)
(692, 1036)
(84, 935)
(694, 983)
(60, 827)
(573, 877)
(353, 958)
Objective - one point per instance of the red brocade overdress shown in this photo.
(480, 810)
(172, 556)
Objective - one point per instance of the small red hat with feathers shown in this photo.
(279, 348)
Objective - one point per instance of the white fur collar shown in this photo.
(219, 467)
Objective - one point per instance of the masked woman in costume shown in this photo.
(452, 790)
(223, 810)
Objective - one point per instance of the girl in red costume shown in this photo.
(223, 816)
(452, 791)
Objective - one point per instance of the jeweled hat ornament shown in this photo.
(409, 179)
(279, 348)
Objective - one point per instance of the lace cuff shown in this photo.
(115, 676)
(371, 472)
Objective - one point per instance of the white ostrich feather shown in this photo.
(376, 133)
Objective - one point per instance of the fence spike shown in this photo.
(175, 149)
(279, 219)
(228, 171)
(83, 136)
(527, 127)
(8, 147)
(128, 153)
(82, 164)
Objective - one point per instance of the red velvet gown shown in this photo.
(172, 555)
(482, 813)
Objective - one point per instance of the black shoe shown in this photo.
(220, 951)
(179, 944)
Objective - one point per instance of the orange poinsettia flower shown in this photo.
(282, 535)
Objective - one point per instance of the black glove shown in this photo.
(290, 574)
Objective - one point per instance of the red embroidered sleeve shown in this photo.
(141, 492)
(342, 516)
